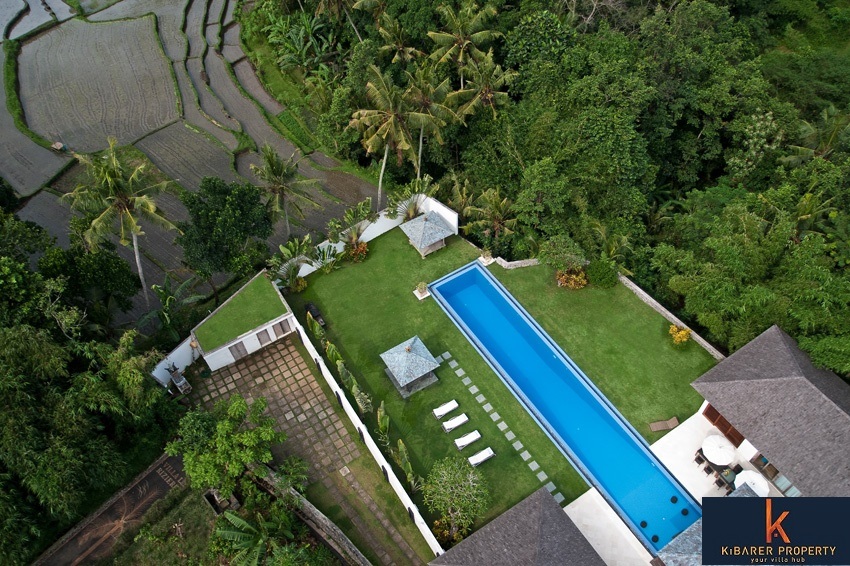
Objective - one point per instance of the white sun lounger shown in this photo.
(482, 456)
(467, 439)
(445, 409)
(454, 422)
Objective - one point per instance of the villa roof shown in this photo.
(427, 229)
(797, 415)
(409, 361)
(534, 532)
(686, 548)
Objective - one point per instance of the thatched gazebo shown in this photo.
(410, 366)
(427, 233)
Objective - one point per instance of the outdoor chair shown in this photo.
(738, 468)
(719, 483)
(482, 456)
(708, 471)
(467, 439)
(699, 459)
(669, 424)
(454, 422)
(445, 409)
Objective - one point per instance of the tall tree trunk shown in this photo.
(347, 15)
(381, 178)
(141, 273)
(286, 219)
(461, 78)
(214, 289)
(419, 162)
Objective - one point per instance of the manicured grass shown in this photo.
(256, 303)
(620, 343)
(370, 308)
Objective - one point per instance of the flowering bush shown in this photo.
(680, 335)
(572, 279)
(358, 251)
(298, 285)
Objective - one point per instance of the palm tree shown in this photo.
(335, 8)
(114, 193)
(428, 100)
(384, 126)
(819, 139)
(462, 195)
(493, 215)
(377, 7)
(395, 41)
(484, 87)
(173, 300)
(255, 540)
(286, 194)
(464, 31)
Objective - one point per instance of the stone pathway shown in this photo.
(533, 466)
(315, 432)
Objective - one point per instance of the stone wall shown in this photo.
(518, 263)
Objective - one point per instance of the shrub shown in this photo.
(572, 279)
(357, 252)
(680, 335)
(602, 273)
(422, 287)
(298, 285)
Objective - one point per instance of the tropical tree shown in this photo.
(821, 138)
(408, 201)
(395, 41)
(117, 193)
(456, 491)
(492, 214)
(336, 8)
(286, 193)
(375, 7)
(463, 35)
(172, 300)
(254, 540)
(385, 124)
(353, 223)
(427, 99)
(462, 195)
(484, 88)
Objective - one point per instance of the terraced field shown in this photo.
(9, 10)
(127, 94)
(35, 18)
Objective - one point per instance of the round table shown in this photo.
(755, 480)
(718, 450)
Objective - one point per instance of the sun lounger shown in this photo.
(455, 422)
(482, 456)
(467, 439)
(445, 409)
(658, 426)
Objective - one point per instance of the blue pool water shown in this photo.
(582, 422)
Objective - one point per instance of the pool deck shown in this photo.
(607, 532)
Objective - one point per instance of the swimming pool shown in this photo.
(604, 447)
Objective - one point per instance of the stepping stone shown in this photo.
(525, 456)
(510, 435)
(445, 355)
(466, 381)
(488, 407)
(550, 487)
(534, 466)
(453, 364)
(481, 398)
(517, 445)
(473, 389)
(495, 416)
(542, 476)
(559, 498)
(503, 426)
(460, 372)
(288, 415)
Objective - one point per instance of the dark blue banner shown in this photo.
(776, 530)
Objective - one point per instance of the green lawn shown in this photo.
(256, 303)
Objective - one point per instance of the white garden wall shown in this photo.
(182, 356)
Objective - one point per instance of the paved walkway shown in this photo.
(315, 432)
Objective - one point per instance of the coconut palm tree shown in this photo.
(492, 214)
(335, 8)
(385, 124)
(376, 7)
(395, 41)
(463, 33)
(484, 89)
(286, 193)
(427, 98)
(819, 139)
(118, 193)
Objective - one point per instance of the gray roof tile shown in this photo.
(409, 361)
(427, 229)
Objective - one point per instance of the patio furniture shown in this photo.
(454, 422)
(314, 312)
(718, 450)
(467, 439)
(482, 456)
(755, 480)
(737, 469)
(669, 424)
(445, 409)
(698, 459)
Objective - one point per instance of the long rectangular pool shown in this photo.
(604, 447)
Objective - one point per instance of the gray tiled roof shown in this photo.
(534, 532)
(409, 361)
(686, 548)
(797, 415)
(427, 229)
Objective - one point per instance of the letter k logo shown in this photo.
(774, 528)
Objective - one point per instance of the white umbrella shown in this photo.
(755, 480)
(718, 450)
